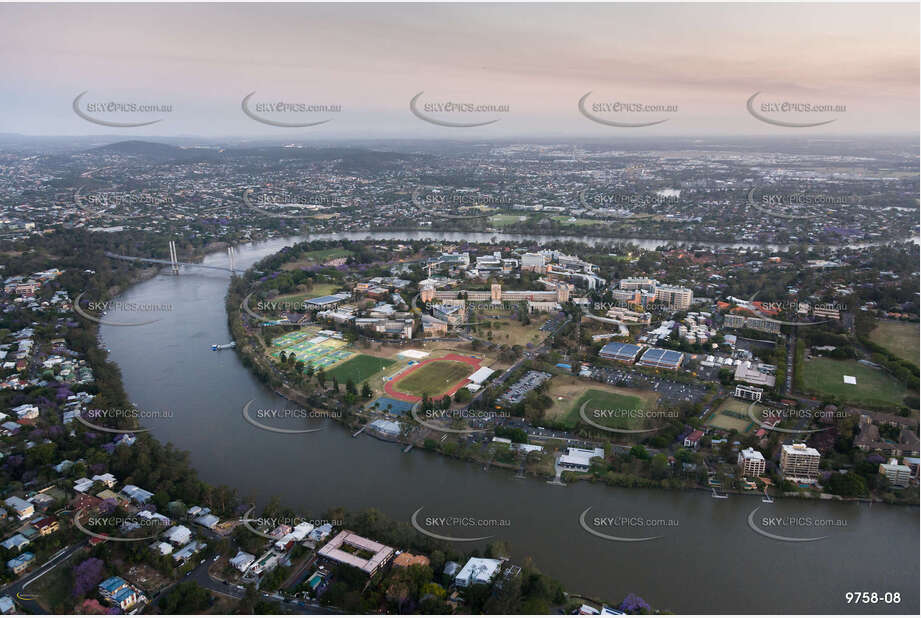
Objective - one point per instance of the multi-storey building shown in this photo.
(799, 462)
(751, 462)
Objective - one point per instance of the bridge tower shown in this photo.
(173, 257)
(231, 254)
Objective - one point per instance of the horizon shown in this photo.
(532, 66)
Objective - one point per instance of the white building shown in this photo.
(799, 462)
(178, 535)
(481, 375)
(477, 571)
(20, 507)
(242, 561)
(579, 458)
(898, 474)
(751, 462)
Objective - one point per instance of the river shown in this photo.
(706, 559)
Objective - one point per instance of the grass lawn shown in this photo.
(500, 220)
(565, 219)
(900, 338)
(53, 591)
(326, 254)
(874, 387)
(733, 414)
(568, 393)
(434, 378)
(610, 409)
(508, 330)
(313, 257)
(295, 300)
(359, 368)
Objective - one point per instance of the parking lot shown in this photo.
(667, 389)
(527, 383)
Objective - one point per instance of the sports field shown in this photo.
(567, 393)
(609, 409)
(501, 220)
(733, 415)
(565, 220)
(435, 377)
(358, 368)
(874, 387)
(313, 349)
(900, 338)
(291, 302)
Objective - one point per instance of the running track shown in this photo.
(392, 392)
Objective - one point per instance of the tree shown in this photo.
(87, 576)
(639, 451)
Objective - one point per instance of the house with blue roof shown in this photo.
(141, 496)
(15, 542)
(116, 591)
(21, 562)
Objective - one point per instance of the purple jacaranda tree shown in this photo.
(87, 576)
(634, 604)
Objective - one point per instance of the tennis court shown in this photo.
(317, 350)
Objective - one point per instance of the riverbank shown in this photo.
(170, 365)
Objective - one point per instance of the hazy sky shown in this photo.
(538, 59)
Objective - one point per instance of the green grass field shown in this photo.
(874, 387)
(733, 415)
(295, 300)
(900, 338)
(434, 378)
(321, 255)
(565, 219)
(607, 409)
(359, 368)
(500, 220)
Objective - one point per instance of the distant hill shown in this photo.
(346, 159)
(157, 151)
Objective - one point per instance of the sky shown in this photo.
(697, 65)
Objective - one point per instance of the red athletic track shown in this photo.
(392, 392)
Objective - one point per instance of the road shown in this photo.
(791, 351)
(203, 578)
(18, 589)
